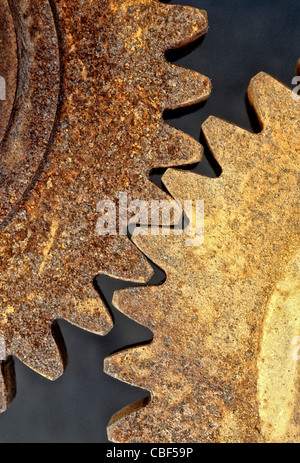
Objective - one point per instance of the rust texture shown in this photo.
(86, 123)
(30, 58)
(223, 365)
(8, 64)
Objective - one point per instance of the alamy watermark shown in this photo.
(2, 89)
(155, 217)
(2, 349)
(296, 90)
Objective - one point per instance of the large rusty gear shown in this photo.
(223, 364)
(87, 86)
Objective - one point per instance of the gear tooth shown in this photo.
(176, 148)
(190, 188)
(152, 192)
(155, 246)
(185, 87)
(126, 424)
(176, 182)
(135, 268)
(101, 251)
(136, 423)
(88, 313)
(187, 24)
(7, 383)
(261, 92)
(127, 366)
(45, 354)
(128, 301)
(172, 181)
(222, 138)
(172, 212)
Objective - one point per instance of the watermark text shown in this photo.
(155, 217)
(2, 89)
(296, 90)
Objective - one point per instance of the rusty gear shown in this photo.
(222, 366)
(83, 122)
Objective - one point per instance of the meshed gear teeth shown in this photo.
(94, 128)
(128, 301)
(224, 321)
(126, 366)
(135, 269)
(175, 181)
(171, 143)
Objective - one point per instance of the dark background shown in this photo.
(245, 37)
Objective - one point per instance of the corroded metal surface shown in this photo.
(32, 80)
(90, 126)
(8, 64)
(223, 365)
